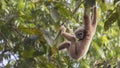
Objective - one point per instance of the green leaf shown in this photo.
(21, 5)
(99, 50)
(31, 6)
(115, 1)
(118, 11)
(104, 39)
(28, 53)
(84, 65)
(108, 23)
(118, 23)
(63, 11)
(31, 31)
(3, 4)
(103, 6)
(54, 14)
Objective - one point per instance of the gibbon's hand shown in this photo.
(63, 29)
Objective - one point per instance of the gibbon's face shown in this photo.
(80, 34)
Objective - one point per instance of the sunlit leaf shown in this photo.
(31, 6)
(103, 6)
(84, 65)
(104, 39)
(3, 4)
(21, 5)
(99, 50)
(111, 53)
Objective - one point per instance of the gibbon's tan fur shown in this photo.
(78, 48)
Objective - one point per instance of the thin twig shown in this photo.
(75, 10)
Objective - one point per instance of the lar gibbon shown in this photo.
(78, 45)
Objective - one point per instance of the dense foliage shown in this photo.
(29, 33)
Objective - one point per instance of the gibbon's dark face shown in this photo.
(80, 34)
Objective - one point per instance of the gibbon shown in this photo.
(78, 44)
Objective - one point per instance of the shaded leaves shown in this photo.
(108, 23)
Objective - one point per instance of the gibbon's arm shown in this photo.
(87, 24)
(68, 36)
(87, 20)
(94, 23)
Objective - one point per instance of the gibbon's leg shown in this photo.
(64, 45)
